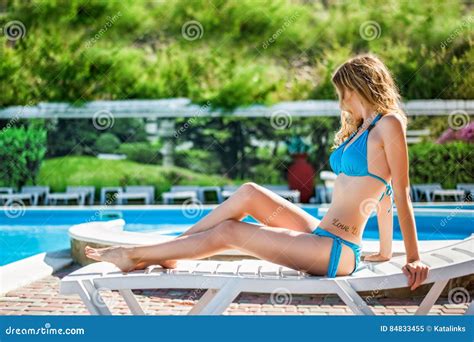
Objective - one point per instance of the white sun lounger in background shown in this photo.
(10, 199)
(468, 189)
(181, 193)
(55, 197)
(6, 190)
(87, 191)
(136, 192)
(425, 189)
(225, 280)
(39, 192)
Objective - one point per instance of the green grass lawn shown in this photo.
(83, 170)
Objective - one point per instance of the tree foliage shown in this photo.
(245, 51)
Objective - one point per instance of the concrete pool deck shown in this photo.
(42, 298)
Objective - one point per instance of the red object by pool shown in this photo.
(301, 176)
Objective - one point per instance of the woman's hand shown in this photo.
(377, 257)
(417, 272)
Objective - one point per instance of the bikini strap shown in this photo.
(388, 189)
(374, 121)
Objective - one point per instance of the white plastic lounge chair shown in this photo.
(181, 193)
(87, 191)
(136, 192)
(38, 191)
(425, 189)
(65, 197)
(105, 191)
(204, 190)
(456, 194)
(11, 198)
(6, 190)
(468, 188)
(285, 192)
(225, 280)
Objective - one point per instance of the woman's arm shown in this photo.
(396, 151)
(385, 223)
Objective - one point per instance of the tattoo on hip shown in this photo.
(345, 227)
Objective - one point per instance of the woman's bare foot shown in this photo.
(119, 256)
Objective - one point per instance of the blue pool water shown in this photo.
(44, 230)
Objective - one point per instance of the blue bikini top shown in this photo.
(352, 161)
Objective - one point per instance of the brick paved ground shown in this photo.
(42, 298)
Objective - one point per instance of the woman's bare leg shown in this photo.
(301, 251)
(263, 205)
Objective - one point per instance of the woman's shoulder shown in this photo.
(392, 122)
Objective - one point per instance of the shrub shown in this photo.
(107, 143)
(21, 152)
(141, 152)
(60, 172)
(198, 160)
(447, 164)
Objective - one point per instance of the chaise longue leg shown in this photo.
(431, 297)
(92, 298)
(215, 301)
(352, 299)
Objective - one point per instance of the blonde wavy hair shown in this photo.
(370, 78)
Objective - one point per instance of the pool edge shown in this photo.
(25, 271)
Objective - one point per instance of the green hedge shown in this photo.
(21, 153)
(141, 152)
(448, 164)
(84, 170)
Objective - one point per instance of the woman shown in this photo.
(366, 164)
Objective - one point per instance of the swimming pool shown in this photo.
(43, 230)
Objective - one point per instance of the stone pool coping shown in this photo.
(25, 271)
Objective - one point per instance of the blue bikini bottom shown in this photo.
(336, 251)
